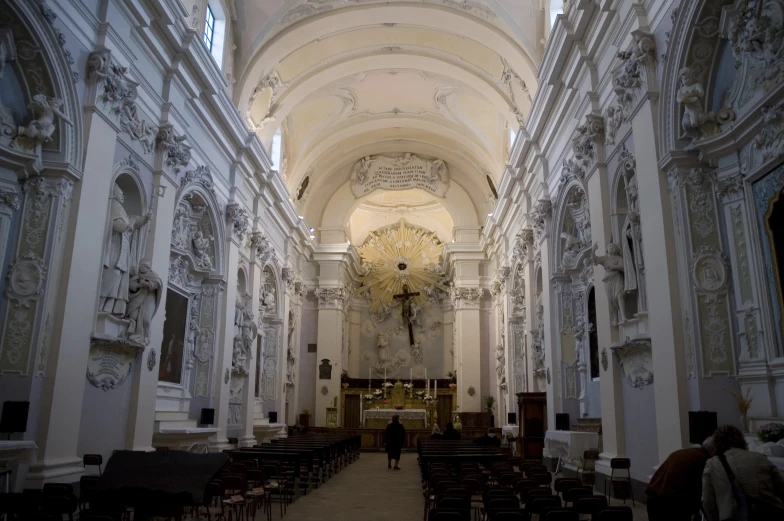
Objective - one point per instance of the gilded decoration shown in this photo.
(397, 257)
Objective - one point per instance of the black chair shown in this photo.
(453, 503)
(573, 494)
(87, 486)
(589, 467)
(590, 505)
(541, 479)
(560, 514)
(621, 486)
(616, 514)
(59, 506)
(534, 493)
(539, 503)
(562, 484)
(445, 514)
(93, 460)
(508, 515)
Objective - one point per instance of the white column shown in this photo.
(222, 373)
(249, 391)
(63, 390)
(550, 342)
(141, 412)
(664, 305)
(295, 291)
(467, 345)
(329, 342)
(613, 438)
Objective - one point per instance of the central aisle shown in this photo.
(364, 491)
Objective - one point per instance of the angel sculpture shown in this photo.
(40, 130)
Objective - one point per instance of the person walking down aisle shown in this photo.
(738, 484)
(395, 437)
(674, 491)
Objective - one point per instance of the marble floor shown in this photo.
(367, 491)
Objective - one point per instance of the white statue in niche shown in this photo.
(696, 122)
(145, 297)
(572, 247)
(122, 252)
(268, 301)
(500, 356)
(249, 333)
(383, 347)
(40, 130)
(613, 280)
(238, 347)
(194, 332)
(201, 245)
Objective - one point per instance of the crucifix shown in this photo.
(405, 300)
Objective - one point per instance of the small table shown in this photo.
(569, 446)
(379, 418)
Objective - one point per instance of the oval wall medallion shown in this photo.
(471, 390)
(605, 362)
(152, 359)
(324, 390)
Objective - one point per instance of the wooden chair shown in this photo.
(212, 504)
(541, 479)
(538, 504)
(620, 487)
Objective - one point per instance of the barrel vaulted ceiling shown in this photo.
(344, 79)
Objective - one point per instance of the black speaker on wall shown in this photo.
(207, 417)
(561, 422)
(273, 417)
(14, 418)
(702, 424)
(511, 418)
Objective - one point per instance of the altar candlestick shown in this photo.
(412, 375)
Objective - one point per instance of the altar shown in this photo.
(569, 445)
(379, 418)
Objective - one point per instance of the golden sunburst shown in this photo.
(397, 257)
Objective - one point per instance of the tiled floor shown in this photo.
(367, 491)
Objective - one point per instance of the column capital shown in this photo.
(333, 297)
(465, 298)
(237, 218)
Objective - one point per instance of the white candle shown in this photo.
(435, 390)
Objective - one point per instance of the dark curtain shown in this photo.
(444, 409)
(351, 417)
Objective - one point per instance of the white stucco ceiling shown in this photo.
(347, 78)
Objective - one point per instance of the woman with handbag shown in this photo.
(738, 484)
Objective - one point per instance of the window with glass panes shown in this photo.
(209, 28)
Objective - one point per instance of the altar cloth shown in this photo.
(569, 445)
(379, 418)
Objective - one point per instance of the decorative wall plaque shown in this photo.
(152, 359)
(324, 390)
(109, 363)
(471, 390)
(399, 173)
(325, 370)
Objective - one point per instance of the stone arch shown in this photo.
(694, 44)
(43, 67)
(196, 199)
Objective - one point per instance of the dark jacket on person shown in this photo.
(395, 436)
(680, 475)
(451, 434)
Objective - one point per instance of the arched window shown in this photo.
(215, 30)
(512, 137)
(275, 150)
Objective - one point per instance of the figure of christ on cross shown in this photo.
(405, 300)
